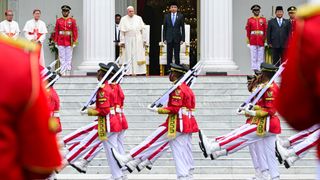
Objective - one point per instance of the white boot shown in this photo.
(143, 164)
(132, 165)
(265, 175)
(290, 161)
(206, 145)
(122, 160)
(217, 154)
(81, 165)
(283, 152)
(283, 142)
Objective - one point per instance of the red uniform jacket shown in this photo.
(54, 108)
(299, 98)
(293, 26)
(105, 104)
(121, 104)
(191, 107)
(267, 105)
(179, 100)
(66, 32)
(256, 30)
(28, 148)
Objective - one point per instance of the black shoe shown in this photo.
(203, 149)
(78, 169)
(278, 155)
(286, 164)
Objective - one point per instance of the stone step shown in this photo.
(204, 169)
(157, 92)
(138, 86)
(141, 176)
(156, 79)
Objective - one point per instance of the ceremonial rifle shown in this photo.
(164, 98)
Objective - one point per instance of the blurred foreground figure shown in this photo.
(28, 148)
(300, 83)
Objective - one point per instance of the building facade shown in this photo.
(221, 36)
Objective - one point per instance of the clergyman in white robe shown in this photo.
(131, 31)
(9, 29)
(36, 31)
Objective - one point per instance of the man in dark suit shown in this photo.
(173, 33)
(117, 34)
(277, 35)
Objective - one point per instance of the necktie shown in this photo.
(279, 22)
(173, 18)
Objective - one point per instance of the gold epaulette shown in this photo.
(307, 11)
(19, 43)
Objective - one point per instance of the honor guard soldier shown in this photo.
(66, 38)
(292, 11)
(264, 126)
(28, 147)
(175, 131)
(256, 36)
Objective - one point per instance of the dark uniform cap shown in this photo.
(178, 68)
(66, 7)
(173, 3)
(255, 7)
(292, 9)
(106, 67)
(279, 8)
(265, 67)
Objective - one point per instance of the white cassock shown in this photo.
(36, 31)
(131, 30)
(9, 29)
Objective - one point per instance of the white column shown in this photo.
(98, 33)
(216, 36)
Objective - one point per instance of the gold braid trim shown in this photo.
(163, 111)
(102, 129)
(261, 113)
(92, 112)
(172, 126)
(261, 127)
(257, 107)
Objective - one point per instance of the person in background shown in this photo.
(66, 38)
(277, 35)
(256, 36)
(117, 19)
(292, 11)
(35, 30)
(8, 27)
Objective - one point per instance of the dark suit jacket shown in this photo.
(173, 33)
(278, 36)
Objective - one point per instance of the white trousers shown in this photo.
(157, 142)
(245, 136)
(304, 146)
(303, 134)
(79, 134)
(257, 56)
(65, 56)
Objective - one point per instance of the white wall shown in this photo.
(241, 11)
(50, 10)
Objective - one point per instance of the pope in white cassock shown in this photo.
(9, 28)
(131, 29)
(35, 30)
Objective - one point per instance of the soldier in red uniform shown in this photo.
(292, 11)
(24, 115)
(264, 126)
(66, 38)
(299, 98)
(256, 36)
(54, 105)
(175, 131)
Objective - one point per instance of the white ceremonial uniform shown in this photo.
(9, 29)
(36, 31)
(131, 30)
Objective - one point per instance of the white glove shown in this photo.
(266, 44)
(249, 111)
(84, 112)
(241, 112)
(73, 46)
(181, 42)
(56, 45)
(248, 45)
(152, 109)
(92, 106)
(164, 42)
